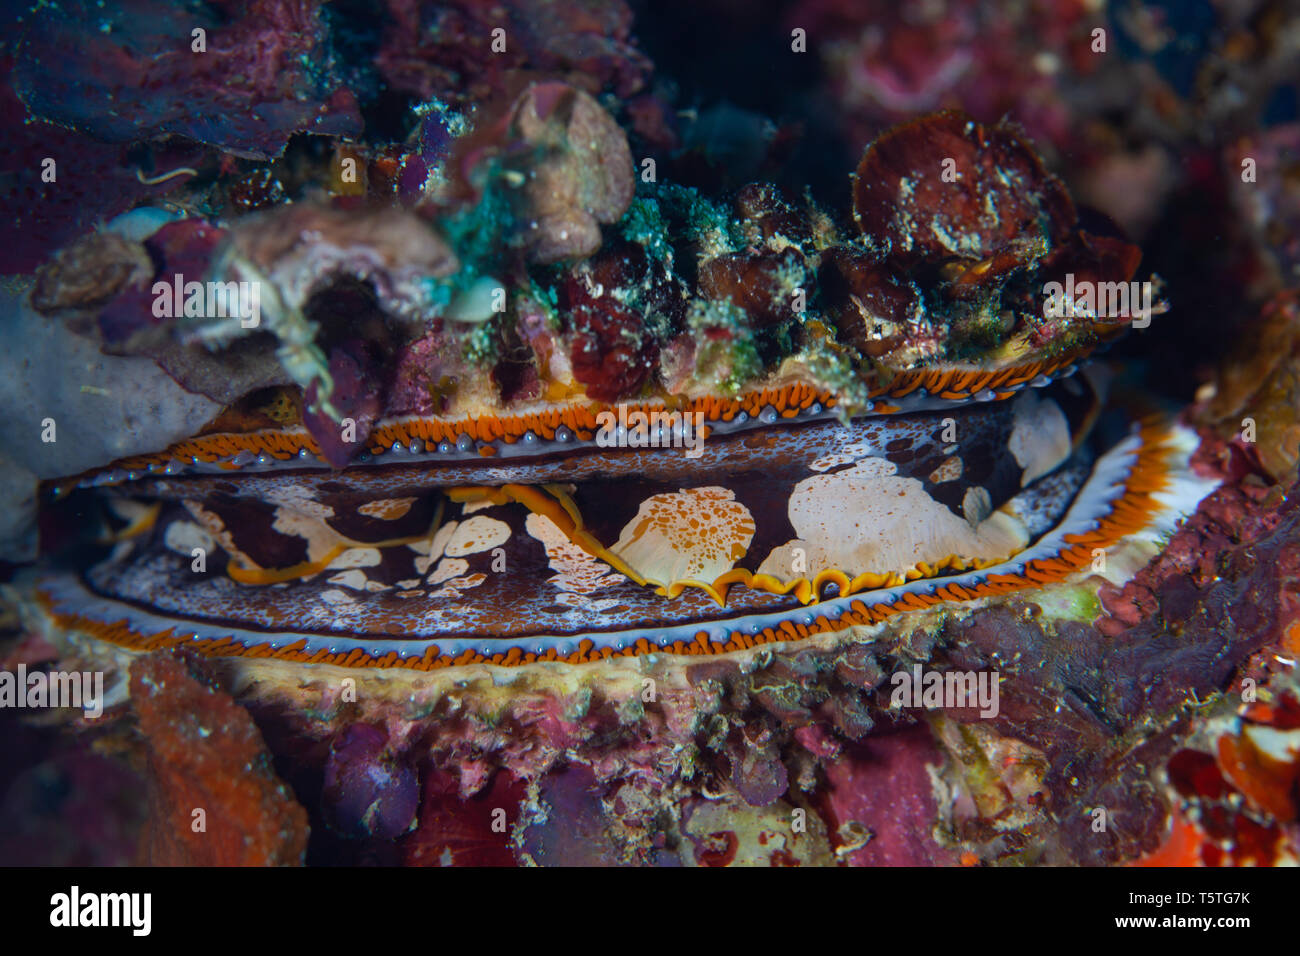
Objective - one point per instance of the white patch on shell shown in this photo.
(447, 569)
(211, 522)
(1040, 436)
(453, 588)
(477, 534)
(575, 570)
(184, 536)
(386, 509)
(128, 509)
(356, 558)
(847, 455)
(320, 537)
(948, 470)
(695, 534)
(451, 574)
(355, 579)
(431, 549)
(298, 498)
(869, 519)
(976, 505)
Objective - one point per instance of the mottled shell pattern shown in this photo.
(969, 454)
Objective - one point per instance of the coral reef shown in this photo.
(488, 435)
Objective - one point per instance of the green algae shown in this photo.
(705, 222)
(547, 300)
(1078, 603)
(736, 357)
(480, 344)
(644, 224)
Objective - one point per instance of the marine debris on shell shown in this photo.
(517, 460)
(785, 301)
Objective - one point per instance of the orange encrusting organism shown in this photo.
(581, 420)
(1181, 848)
(1131, 512)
